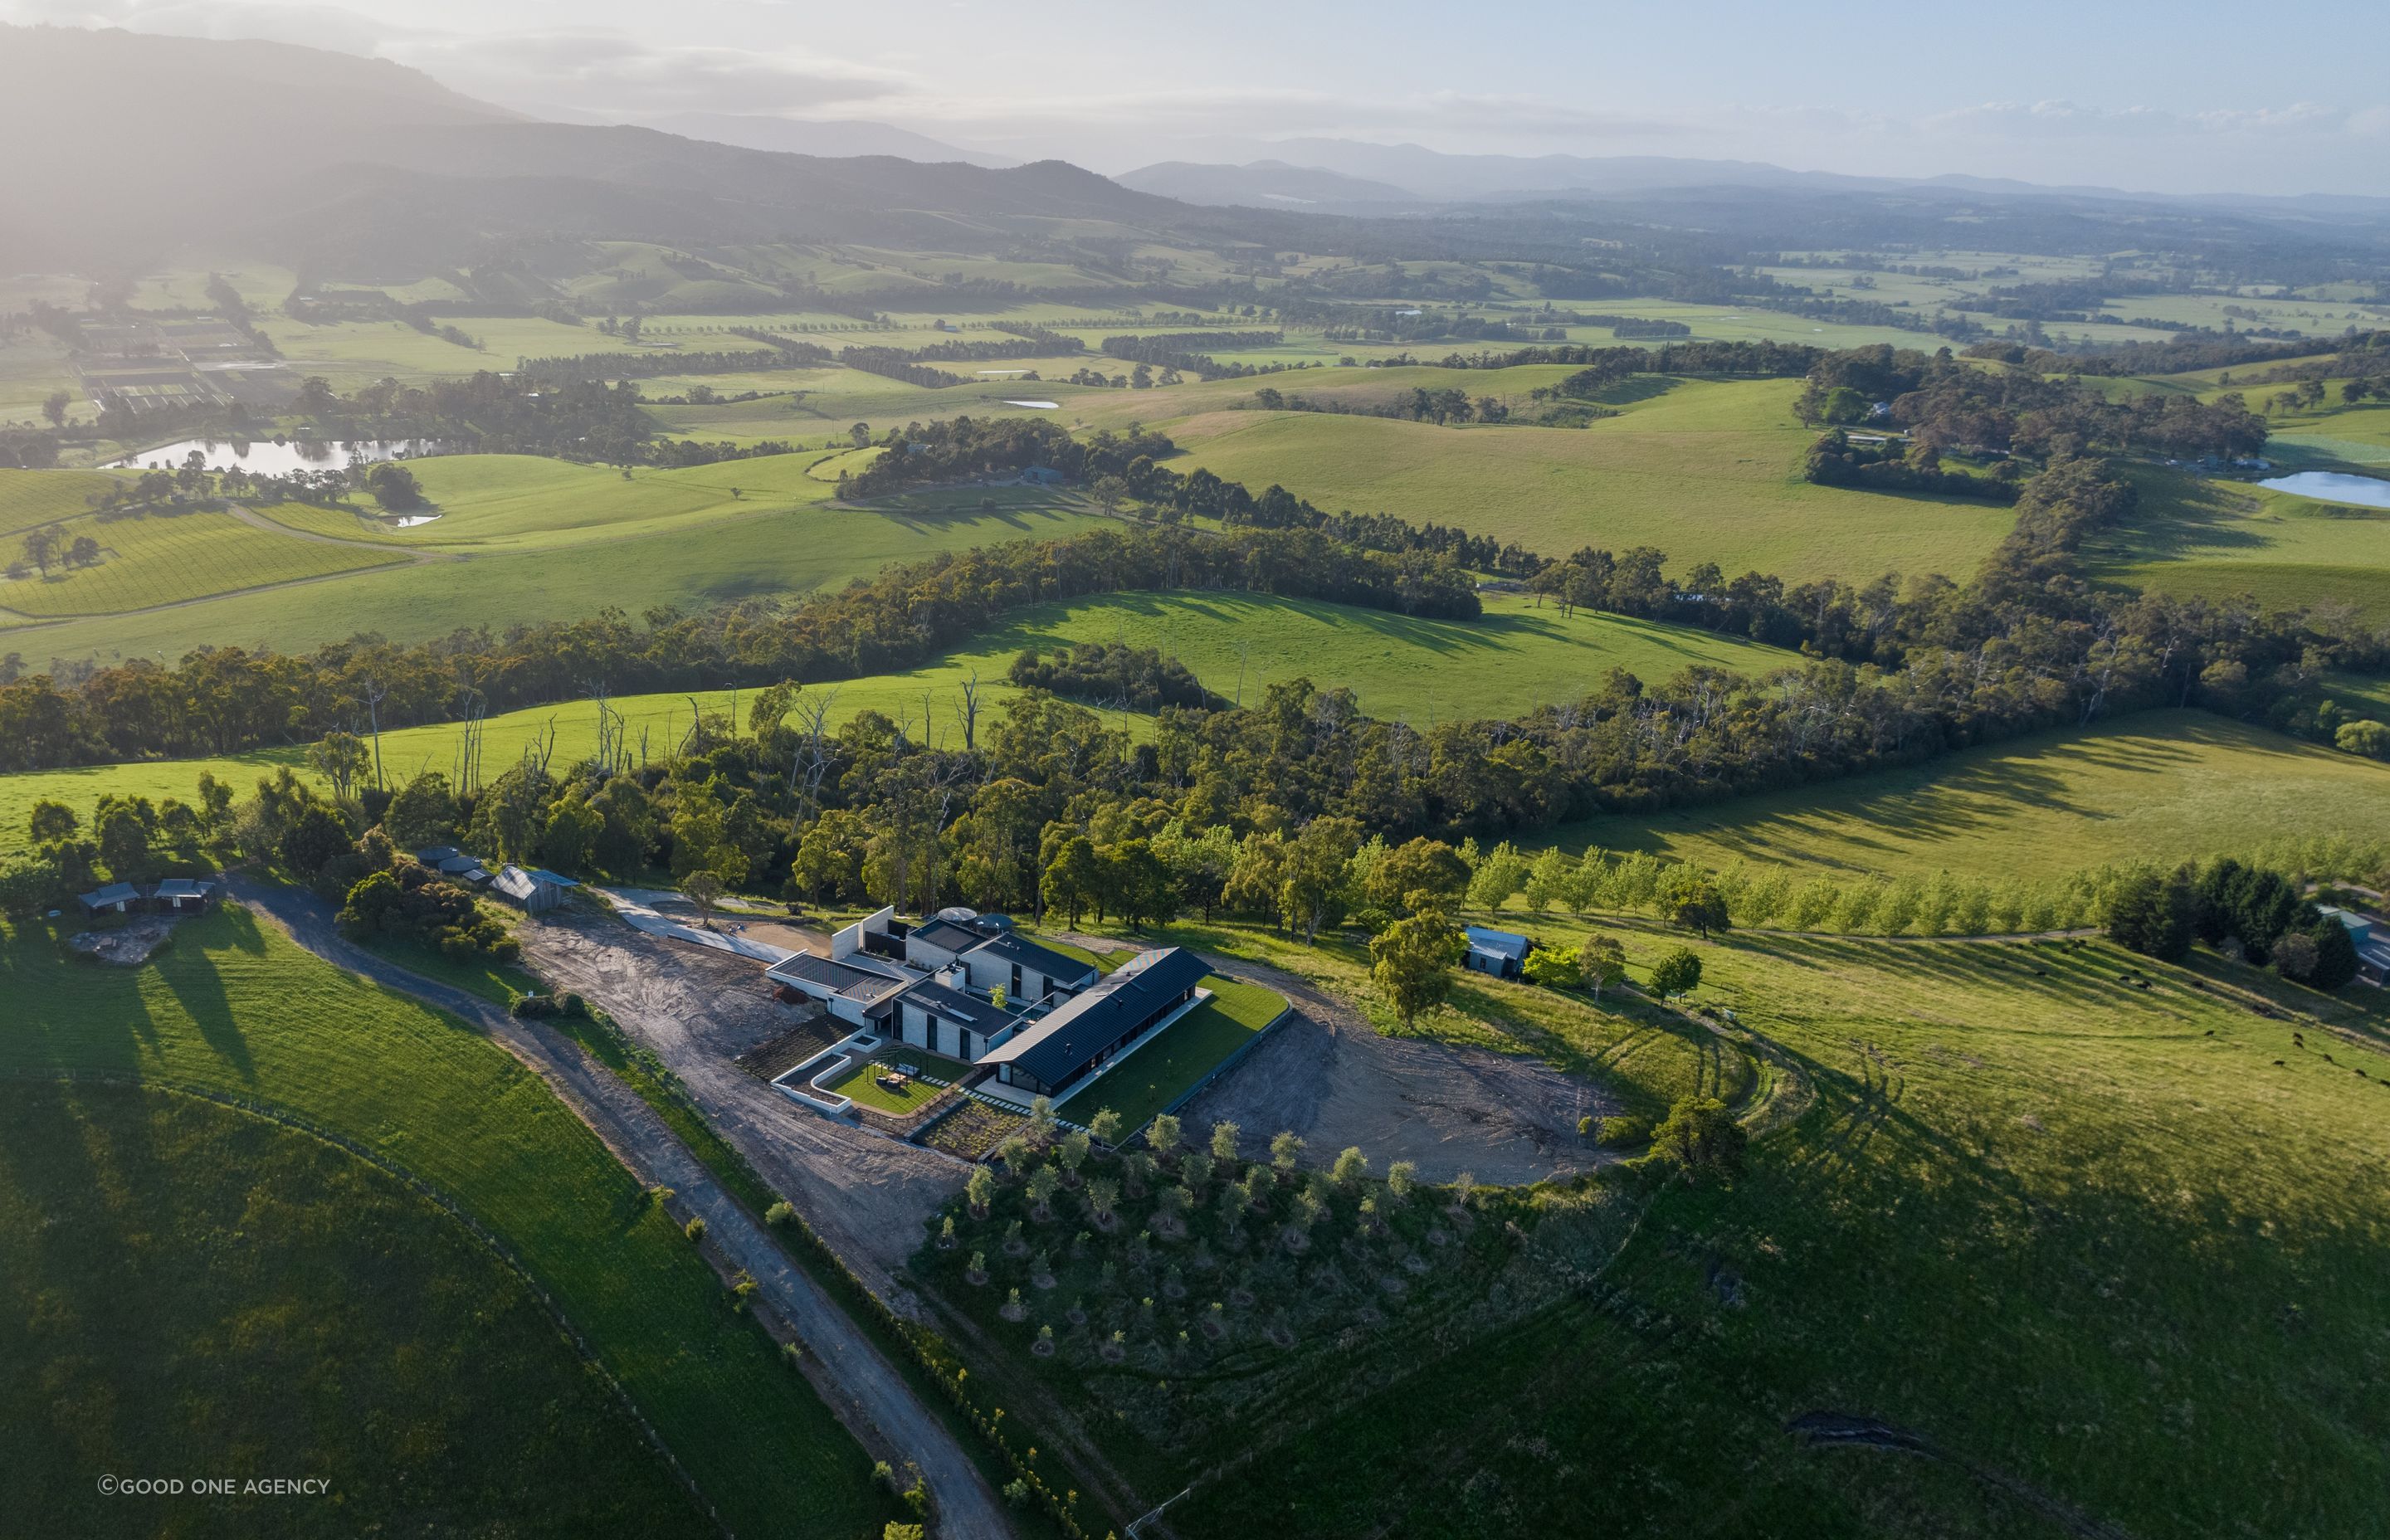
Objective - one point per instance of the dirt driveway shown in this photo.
(1331, 1078)
(870, 1196)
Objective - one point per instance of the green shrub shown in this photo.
(695, 1228)
(1621, 1129)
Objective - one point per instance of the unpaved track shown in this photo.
(870, 1197)
(872, 1391)
(1331, 1078)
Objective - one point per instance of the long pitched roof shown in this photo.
(1079, 1029)
(945, 935)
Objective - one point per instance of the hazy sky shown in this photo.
(2190, 95)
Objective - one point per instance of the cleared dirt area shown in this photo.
(1331, 1078)
(870, 1196)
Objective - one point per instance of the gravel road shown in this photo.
(862, 1385)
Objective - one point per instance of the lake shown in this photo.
(2331, 486)
(266, 458)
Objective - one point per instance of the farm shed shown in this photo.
(1500, 952)
(530, 888)
(115, 899)
(183, 895)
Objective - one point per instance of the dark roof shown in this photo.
(856, 983)
(185, 887)
(1500, 943)
(1028, 954)
(946, 935)
(1077, 1031)
(956, 1006)
(115, 892)
(436, 855)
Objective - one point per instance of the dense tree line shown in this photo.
(1114, 674)
(1889, 465)
(600, 366)
(899, 364)
(1183, 350)
(1050, 343)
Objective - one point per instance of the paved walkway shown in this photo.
(872, 1390)
(633, 907)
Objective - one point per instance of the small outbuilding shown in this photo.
(2372, 939)
(117, 898)
(183, 895)
(1500, 952)
(530, 889)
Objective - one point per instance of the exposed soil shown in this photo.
(699, 1011)
(1331, 1078)
(129, 945)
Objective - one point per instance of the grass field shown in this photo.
(157, 559)
(2163, 786)
(233, 1006)
(1514, 660)
(2223, 539)
(1707, 471)
(740, 554)
(2060, 1226)
(191, 1289)
(33, 497)
(1147, 1082)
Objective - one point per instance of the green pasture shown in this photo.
(2049, 1222)
(748, 550)
(1516, 658)
(32, 365)
(2221, 539)
(194, 1289)
(2156, 786)
(158, 559)
(233, 1006)
(1708, 472)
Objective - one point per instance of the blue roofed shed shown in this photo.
(1500, 952)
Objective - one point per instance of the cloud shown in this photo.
(609, 73)
(2066, 119)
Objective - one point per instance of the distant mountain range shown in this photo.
(358, 166)
(1340, 174)
(824, 138)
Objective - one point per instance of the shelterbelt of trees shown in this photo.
(1896, 673)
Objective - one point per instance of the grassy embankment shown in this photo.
(235, 1007)
(192, 1289)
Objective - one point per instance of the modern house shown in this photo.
(1500, 952)
(2372, 939)
(117, 898)
(936, 944)
(859, 991)
(1024, 970)
(945, 1020)
(1085, 1033)
(530, 888)
(183, 895)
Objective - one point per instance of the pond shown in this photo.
(270, 458)
(2331, 486)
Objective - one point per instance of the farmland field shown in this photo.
(155, 559)
(233, 1006)
(2016, 1171)
(1516, 658)
(1707, 471)
(192, 1288)
(33, 497)
(740, 554)
(2162, 786)
(2222, 539)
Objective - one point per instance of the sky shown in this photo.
(2192, 96)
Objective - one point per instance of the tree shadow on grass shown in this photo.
(191, 975)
